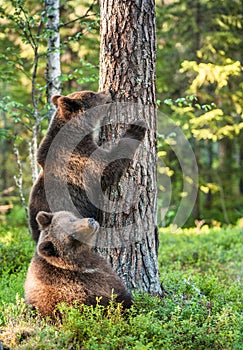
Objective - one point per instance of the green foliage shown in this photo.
(24, 110)
(201, 308)
(189, 101)
(16, 216)
(85, 74)
(210, 251)
(199, 78)
(16, 249)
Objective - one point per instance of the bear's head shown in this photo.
(64, 236)
(78, 102)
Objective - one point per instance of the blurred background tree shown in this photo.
(25, 80)
(199, 86)
(200, 53)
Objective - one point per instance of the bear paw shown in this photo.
(137, 130)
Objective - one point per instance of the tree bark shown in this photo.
(4, 156)
(127, 68)
(53, 68)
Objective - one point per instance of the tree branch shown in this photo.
(81, 17)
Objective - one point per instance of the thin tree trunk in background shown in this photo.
(53, 72)
(226, 171)
(53, 69)
(127, 67)
(196, 144)
(4, 153)
(209, 197)
(196, 213)
(33, 143)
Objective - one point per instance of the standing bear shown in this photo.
(65, 269)
(75, 171)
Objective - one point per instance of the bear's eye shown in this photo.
(72, 220)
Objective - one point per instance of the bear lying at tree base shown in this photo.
(65, 269)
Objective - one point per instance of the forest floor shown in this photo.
(202, 274)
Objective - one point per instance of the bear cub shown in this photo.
(65, 269)
(72, 173)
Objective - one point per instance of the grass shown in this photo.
(202, 308)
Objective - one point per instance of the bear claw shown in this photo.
(92, 222)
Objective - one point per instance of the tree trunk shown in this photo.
(209, 196)
(53, 69)
(127, 68)
(226, 172)
(4, 154)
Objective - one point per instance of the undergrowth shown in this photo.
(201, 309)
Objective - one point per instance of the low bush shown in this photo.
(16, 250)
(201, 309)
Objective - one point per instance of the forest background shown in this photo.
(199, 87)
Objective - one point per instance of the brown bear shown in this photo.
(65, 269)
(75, 171)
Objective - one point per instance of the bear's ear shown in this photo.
(54, 99)
(70, 104)
(47, 249)
(44, 219)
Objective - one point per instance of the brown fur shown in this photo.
(70, 113)
(65, 269)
